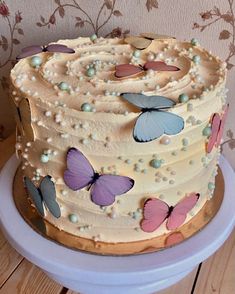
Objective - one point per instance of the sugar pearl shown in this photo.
(196, 59)
(136, 53)
(93, 37)
(86, 107)
(155, 163)
(150, 56)
(206, 131)
(48, 113)
(165, 140)
(36, 61)
(18, 146)
(183, 98)
(90, 72)
(73, 218)
(194, 42)
(211, 186)
(44, 158)
(63, 86)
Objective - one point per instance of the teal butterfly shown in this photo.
(45, 193)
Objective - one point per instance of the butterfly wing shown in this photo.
(47, 188)
(126, 70)
(29, 51)
(59, 48)
(160, 66)
(16, 112)
(138, 42)
(106, 187)
(79, 172)
(152, 124)
(148, 102)
(26, 119)
(179, 212)
(30, 48)
(155, 212)
(221, 127)
(153, 36)
(35, 195)
(215, 126)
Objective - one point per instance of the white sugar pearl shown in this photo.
(18, 146)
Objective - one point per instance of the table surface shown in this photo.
(17, 275)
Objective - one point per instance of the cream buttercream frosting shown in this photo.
(104, 134)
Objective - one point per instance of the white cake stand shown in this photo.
(89, 274)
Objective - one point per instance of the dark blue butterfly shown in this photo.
(153, 122)
(44, 193)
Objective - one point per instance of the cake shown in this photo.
(119, 139)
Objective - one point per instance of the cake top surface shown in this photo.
(91, 73)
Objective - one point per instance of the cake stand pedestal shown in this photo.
(139, 274)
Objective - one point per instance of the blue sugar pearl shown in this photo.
(136, 53)
(86, 107)
(44, 158)
(93, 37)
(206, 131)
(156, 163)
(63, 86)
(36, 61)
(73, 218)
(211, 186)
(183, 98)
(90, 72)
(194, 41)
(196, 59)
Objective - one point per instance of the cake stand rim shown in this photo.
(47, 254)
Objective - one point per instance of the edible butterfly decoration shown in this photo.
(126, 70)
(157, 211)
(153, 121)
(144, 40)
(104, 187)
(45, 193)
(35, 49)
(217, 127)
(23, 118)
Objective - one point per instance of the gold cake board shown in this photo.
(52, 233)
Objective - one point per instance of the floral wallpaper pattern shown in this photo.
(210, 21)
(107, 8)
(210, 17)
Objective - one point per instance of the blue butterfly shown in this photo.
(153, 122)
(45, 193)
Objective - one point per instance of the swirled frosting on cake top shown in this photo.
(102, 90)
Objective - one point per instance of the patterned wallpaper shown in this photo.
(27, 22)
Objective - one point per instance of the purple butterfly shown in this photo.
(104, 188)
(35, 49)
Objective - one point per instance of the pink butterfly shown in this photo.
(217, 127)
(126, 70)
(157, 211)
(35, 49)
(104, 188)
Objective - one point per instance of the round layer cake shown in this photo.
(148, 110)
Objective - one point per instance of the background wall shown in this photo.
(27, 22)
